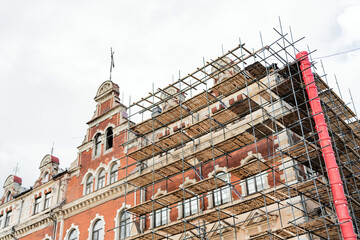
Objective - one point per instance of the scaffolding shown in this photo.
(253, 123)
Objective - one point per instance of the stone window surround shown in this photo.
(187, 182)
(111, 164)
(92, 222)
(209, 195)
(95, 174)
(69, 230)
(112, 126)
(248, 158)
(89, 173)
(117, 220)
(152, 216)
(101, 137)
(47, 237)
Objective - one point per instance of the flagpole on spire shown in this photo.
(112, 64)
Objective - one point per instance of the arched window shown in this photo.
(222, 195)
(97, 144)
(8, 197)
(73, 235)
(109, 138)
(125, 224)
(98, 231)
(101, 179)
(114, 173)
(89, 185)
(46, 177)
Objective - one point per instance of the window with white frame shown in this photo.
(161, 217)
(222, 195)
(109, 138)
(8, 197)
(47, 200)
(101, 179)
(1, 219)
(89, 184)
(73, 235)
(97, 144)
(114, 173)
(125, 224)
(190, 207)
(45, 177)
(98, 230)
(7, 218)
(37, 205)
(255, 184)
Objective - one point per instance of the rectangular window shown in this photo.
(255, 184)
(7, 219)
(161, 217)
(47, 200)
(1, 220)
(190, 207)
(37, 205)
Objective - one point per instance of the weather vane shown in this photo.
(112, 64)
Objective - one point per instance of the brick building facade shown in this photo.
(232, 162)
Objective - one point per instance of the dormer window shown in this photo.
(97, 144)
(109, 138)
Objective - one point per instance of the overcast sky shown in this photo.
(55, 54)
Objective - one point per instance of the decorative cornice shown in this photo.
(94, 199)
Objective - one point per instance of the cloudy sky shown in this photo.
(55, 54)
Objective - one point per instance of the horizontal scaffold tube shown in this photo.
(332, 168)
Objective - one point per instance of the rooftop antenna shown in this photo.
(52, 149)
(16, 169)
(112, 64)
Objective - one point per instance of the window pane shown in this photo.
(7, 219)
(98, 231)
(109, 139)
(8, 196)
(89, 185)
(73, 235)
(251, 186)
(37, 205)
(194, 205)
(187, 208)
(47, 200)
(259, 183)
(97, 145)
(225, 194)
(158, 218)
(164, 216)
(114, 173)
(101, 179)
(222, 195)
(125, 222)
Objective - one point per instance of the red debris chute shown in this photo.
(332, 168)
